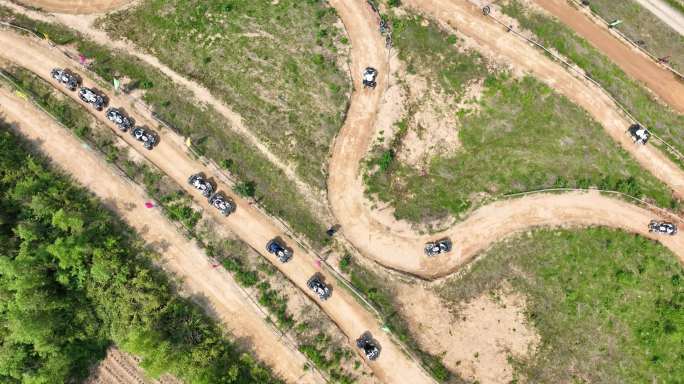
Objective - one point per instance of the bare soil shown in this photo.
(476, 340)
(249, 223)
(76, 6)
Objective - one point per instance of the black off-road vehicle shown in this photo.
(316, 284)
(369, 346)
(438, 247)
(275, 247)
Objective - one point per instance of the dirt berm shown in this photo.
(250, 224)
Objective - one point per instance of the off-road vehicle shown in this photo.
(640, 135)
(316, 284)
(223, 204)
(92, 97)
(369, 346)
(435, 248)
(66, 77)
(275, 247)
(145, 136)
(197, 180)
(663, 227)
(119, 118)
(369, 76)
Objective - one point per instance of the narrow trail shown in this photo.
(665, 13)
(248, 223)
(85, 25)
(635, 63)
(180, 256)
(75, 6)
(393, 243)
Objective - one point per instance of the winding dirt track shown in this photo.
(247, 222)
(76, 6)
(395, 245)
(636, 64)
(180, 256)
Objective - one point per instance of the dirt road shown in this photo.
(76, 6)
(636, 64)
(180, 256)
(247, 222)
(393, 243)
(84, 24)
(665, 13)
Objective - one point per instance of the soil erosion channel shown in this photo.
(247, 222)
(392, 243)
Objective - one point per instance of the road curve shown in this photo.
(635, 63)
(394, 244)
(248, 223)
(79, 7)
(182, 257)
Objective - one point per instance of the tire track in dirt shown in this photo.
(636, 64)
(247, 222)
(76, 6)
(182, 257)
(84, 24)
(395, 245)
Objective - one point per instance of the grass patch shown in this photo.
(523, 137)
(272, 62)
(635, 98)
(210, 132)
(607, 304)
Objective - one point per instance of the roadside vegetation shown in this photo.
(516, 136)
(607, 304)
(317, 337)
(660, 118)
(275, 63)
(75, 279)
(379, 290)
(210, 133)
(639, 24)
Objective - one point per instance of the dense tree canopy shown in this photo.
(74, 279)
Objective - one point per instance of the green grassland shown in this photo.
(638, 23)
(668, 124)
(523, 137)
(181, 111)
(609, 306)
(272, 62)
